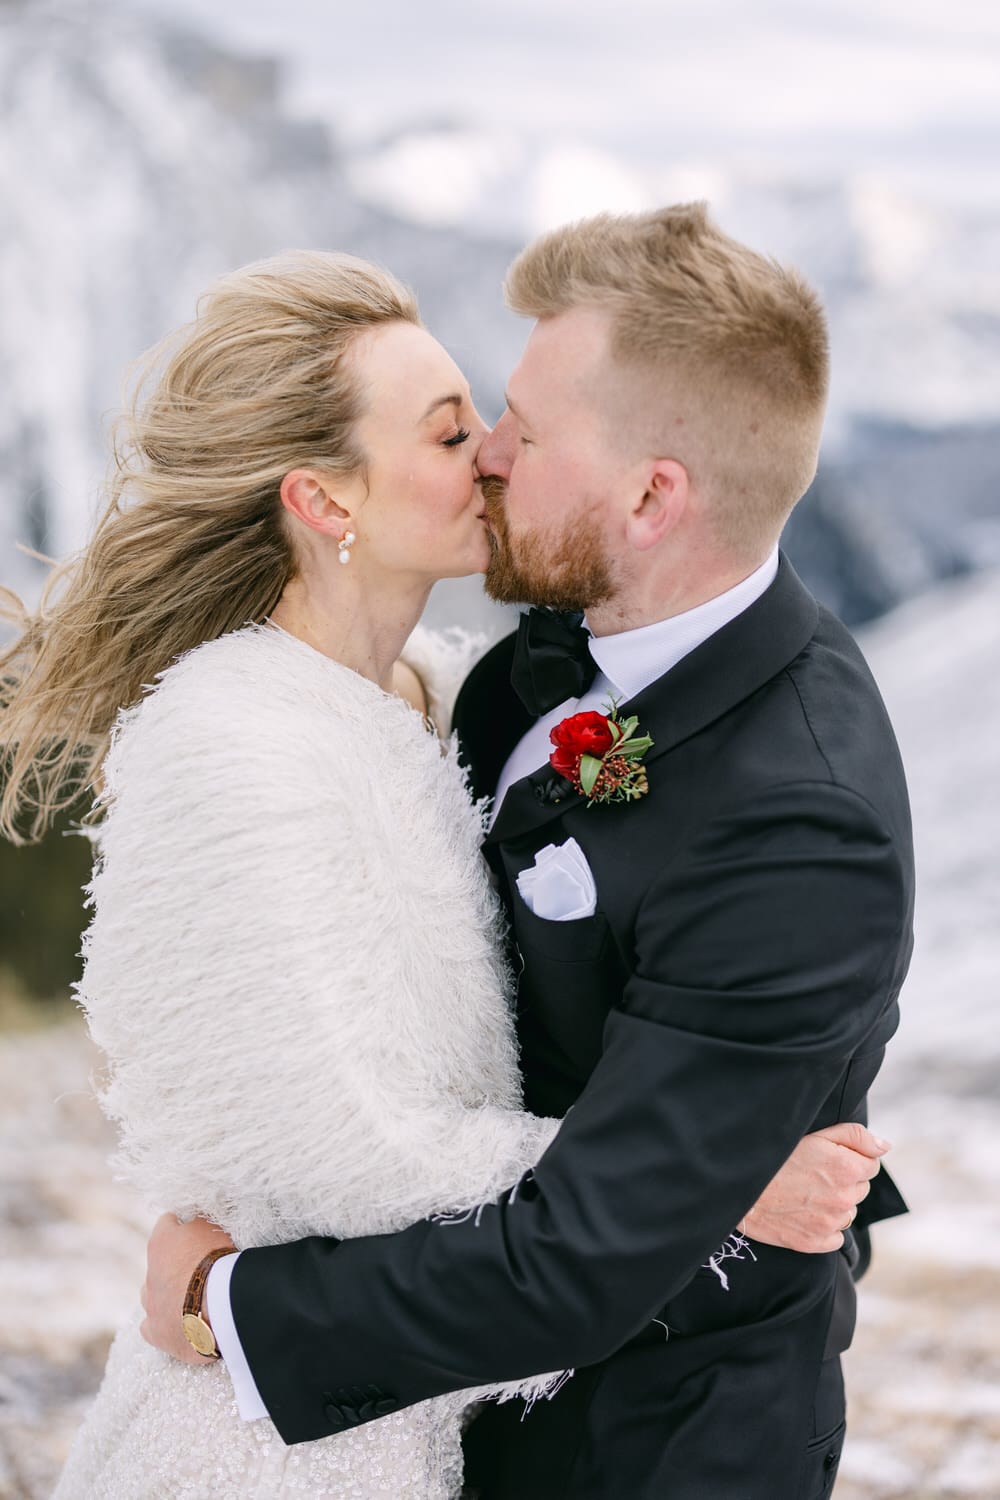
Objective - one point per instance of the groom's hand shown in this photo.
(815, 1196)
(172, 1255)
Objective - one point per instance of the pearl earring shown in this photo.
(344, 547)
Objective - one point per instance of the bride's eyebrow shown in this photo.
(453, 400)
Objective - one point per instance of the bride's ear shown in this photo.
(309, 496)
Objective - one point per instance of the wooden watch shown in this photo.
(197, 1330)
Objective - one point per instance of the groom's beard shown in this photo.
(564, 567)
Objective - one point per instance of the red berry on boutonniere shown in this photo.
(601, 755)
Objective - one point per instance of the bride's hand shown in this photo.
(172, 1255)
(815, 1196)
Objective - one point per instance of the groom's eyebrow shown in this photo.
(453, 400)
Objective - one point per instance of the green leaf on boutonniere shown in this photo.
(628, 726)
(590, 769)
(631, 748)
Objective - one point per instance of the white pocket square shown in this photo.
(559, 886)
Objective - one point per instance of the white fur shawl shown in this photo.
(293, 963)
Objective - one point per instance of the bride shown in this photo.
(294, 964)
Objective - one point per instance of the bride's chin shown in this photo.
(478, 563)
(471, 560)
(464, 569)
(470, 570)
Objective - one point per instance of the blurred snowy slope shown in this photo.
(924, 1371)
(936, 662)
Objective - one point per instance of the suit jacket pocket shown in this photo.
(571, 974)
(580, 941)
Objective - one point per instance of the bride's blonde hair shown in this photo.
(193, 541)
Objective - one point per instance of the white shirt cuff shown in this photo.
(220, 1316)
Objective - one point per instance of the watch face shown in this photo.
(198, 1334)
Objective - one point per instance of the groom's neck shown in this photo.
(670, 587)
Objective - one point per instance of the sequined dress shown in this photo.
(293, 967)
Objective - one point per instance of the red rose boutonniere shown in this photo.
(601, 756)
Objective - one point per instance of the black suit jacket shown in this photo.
(734, 990)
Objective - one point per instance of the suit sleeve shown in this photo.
(765, 954)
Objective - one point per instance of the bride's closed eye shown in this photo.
(461, 436)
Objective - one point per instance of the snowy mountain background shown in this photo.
(144, 149)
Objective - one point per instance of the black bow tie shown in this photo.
(552, 660)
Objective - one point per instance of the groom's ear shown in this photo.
(662, 504)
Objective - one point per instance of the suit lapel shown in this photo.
(720, 673)
(731, 665)
(489, 717)
(531, 803)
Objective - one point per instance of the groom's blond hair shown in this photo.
(720, 355)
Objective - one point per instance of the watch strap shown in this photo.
(197, 1330)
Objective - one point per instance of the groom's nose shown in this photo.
(495, 452)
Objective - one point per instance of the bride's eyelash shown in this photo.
(461, 436)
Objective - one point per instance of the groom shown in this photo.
(709, 966)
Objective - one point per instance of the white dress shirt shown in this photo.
(630, 661)
(220, 1316)
(627, 663)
